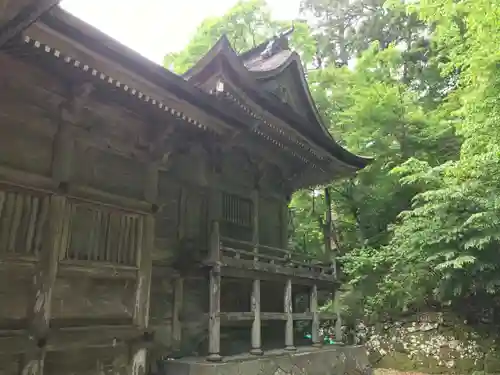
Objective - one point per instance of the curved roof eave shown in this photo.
(294, 62)
(221, 45)
(224, 48)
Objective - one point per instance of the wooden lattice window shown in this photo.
(23, 215)
(236, 210)
(99, 234)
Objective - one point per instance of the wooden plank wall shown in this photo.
(76, 225)
(74, 235)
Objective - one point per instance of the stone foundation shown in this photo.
(329, 360)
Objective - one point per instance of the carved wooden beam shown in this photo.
(17, 15)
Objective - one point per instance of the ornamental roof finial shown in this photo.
(277, 43)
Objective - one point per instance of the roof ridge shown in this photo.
(262, 46)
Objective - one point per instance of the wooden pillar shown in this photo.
(215, 242)
(255, 222)
(214, 316)
(177, 309)
(62, 158)
(138, 362)
(54, 239)
(338, 320)
(256, 325)
(151, 182)
(32, 363)
(214, 296)
(289, 316)
(146, 238)
(313, 302)
(329, 234)
(214, 208)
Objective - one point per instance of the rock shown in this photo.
(432, 344)
(492, 362)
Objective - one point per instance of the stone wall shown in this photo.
(330, 360)
(433, 343)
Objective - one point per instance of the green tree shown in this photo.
(246, 24)
(419, 226)
(443, 249)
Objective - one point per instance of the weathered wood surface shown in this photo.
(177, 312)
(289, 316)
(54, 239)
(17, 15)
(214, 312)
(69, 247)
(315, 325)
(256, 324)
(33, 363)
(137, 185)
(94, 298)
(69, 338)
(88, 361)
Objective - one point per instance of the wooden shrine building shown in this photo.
(143, 215)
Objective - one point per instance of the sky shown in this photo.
(155, 27)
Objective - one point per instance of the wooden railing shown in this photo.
(272, 316)
(252, 253)
(245, 250)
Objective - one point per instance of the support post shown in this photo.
(329, 233)
(214, 296)
(32, 363)
(146, 237)
(255, 224)
(64, 144)
(214, 208)
(338, 320)
(256, 325)
(176, 321)
(214, 316)
(313, 301)
(54, 240)
(289, 317)
(215, 242)
(138, 362)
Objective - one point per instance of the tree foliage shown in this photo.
(246, 24)
(417, 86)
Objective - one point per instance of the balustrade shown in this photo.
(248, 252)
(222, 248)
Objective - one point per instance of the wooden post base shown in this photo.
(214, 357)
(256, 351)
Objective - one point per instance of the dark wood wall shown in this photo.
(103, 217)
